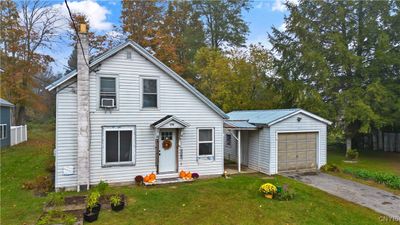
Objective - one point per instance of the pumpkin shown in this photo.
(146, 178)
(182, 174)
(152, 176)
(188, 175)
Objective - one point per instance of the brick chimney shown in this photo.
(83, 109)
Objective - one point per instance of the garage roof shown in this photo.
(270, 117)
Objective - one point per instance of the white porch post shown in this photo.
(239, 151)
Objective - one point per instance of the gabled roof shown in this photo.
(149, 57)
(270, 117)
(5, 103)
(166, 119)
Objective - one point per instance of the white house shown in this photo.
(114, 121)
(273, 141)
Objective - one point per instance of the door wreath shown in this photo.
(166, 144)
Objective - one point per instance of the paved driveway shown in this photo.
(376, 199)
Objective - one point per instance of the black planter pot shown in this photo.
(90, 216)
(96, 209)
(118, 207)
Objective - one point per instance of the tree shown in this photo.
(236, 81)
(27, 32)
(179, 37)
(97, 43)
(335, 65)
(141, 19)
(223, 21)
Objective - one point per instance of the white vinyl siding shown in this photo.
(174, 99)
(66, 135)
(306, 124)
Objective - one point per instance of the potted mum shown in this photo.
(117, 204)
(92, 207)
(269, 190)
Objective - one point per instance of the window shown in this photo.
(150, 99)
(3, 131)
(108, 94)
(228, 139)
(118, 145)
(205, 141)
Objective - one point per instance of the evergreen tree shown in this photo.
(335, 65)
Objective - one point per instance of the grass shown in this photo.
(369, 160)
(209, 201)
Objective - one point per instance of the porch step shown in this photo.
(167, 175)
(167, 181)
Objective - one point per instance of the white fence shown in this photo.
(18, 134)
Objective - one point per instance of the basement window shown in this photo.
(118, 145)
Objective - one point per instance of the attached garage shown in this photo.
(275, 141)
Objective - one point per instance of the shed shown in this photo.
(5, 122)
(273, 141)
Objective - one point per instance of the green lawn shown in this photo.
(208, 201)
(370, 160)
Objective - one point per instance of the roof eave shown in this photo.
(297, 112)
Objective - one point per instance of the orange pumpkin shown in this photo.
(146, 178)
(188, 175)
(152, 176)
(182, 174)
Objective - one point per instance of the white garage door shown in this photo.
(297, 151)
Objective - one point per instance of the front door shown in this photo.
(167, 158)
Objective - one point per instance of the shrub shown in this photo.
(56, 198)
(115, 200)
(286, 194)
(352, 154)
(92, 200)
(195, 176)
(40, 186)
(139, 180)
(102, 187)
(330, 168)
(388, 179)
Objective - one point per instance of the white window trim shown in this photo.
(119, 128)
(212, 141)
(141, 93)
(2, 131)
(98, 105)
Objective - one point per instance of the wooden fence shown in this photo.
(380, 141)
(18, 134)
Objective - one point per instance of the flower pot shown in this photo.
(90, 216)
(96, 209)
(268, 196)
(118, 207)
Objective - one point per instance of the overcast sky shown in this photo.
(103, 15)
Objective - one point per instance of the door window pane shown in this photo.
(111, 146)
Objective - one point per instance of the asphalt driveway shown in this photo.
(376, 199)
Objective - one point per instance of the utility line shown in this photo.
(77, 33)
